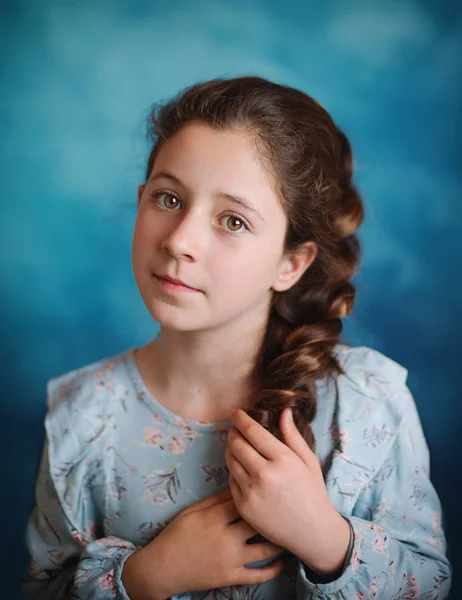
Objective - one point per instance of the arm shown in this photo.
(67, 561)
(399, 544)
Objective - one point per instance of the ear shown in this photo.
(293, 265)
(140, 192)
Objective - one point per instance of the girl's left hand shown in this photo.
(279, 489)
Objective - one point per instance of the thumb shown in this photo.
(294, 439)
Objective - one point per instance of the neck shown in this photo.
(203, 372)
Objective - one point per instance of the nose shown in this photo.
(186, 237)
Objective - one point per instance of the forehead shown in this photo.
(209, 160)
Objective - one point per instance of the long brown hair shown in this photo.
(311, 161)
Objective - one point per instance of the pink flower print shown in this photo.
(436, 520)
(356, 559)
(161, 498)
(177, 445)
(373, 590)
(107, 582)
(157, 419)
(344, 437)
(411, 580)
(412, 592)
(376, 528)
(33, 569)
(436, 542)
(360, 596)
(110, 366)
(120, 543)
(378, 508)
(90, 530)
(181, 422)
(78, 537)
(56, 555)
(221, 435)
(380, 545)
(154, 436)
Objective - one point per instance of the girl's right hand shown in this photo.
(202, 548)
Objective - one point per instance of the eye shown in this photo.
(167, 200)
(235, 224)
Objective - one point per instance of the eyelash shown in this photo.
(157, 195)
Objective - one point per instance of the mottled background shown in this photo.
(76, 81)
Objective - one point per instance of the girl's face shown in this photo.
(209, 216)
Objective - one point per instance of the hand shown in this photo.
(203, 548)
(279, 489)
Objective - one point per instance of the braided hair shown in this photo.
(311, 161)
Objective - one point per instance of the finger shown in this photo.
(218, 498)
(243, 530)
(228, 512)
(261, 551)
(243, 457)
(249, 576)
(243, 463)
(235, 488)
(260, 438)
(295, 441)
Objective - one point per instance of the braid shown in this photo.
(305, 322)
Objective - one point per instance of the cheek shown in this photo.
(145, 236)
(242, 271)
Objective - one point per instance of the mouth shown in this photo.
(174, 285)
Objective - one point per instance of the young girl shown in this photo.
(317, 486)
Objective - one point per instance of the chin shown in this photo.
(172, 317)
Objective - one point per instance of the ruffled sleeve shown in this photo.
(380, 481)
(70, 557)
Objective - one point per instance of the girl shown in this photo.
(317, 485)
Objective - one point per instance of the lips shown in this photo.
(177, 282)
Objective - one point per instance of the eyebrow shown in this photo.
(236, 199)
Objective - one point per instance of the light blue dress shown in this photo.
(118, 466)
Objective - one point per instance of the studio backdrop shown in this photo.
(77, 79)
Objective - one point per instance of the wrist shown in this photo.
(137, 577)
(328, 560)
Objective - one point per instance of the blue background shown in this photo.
(76, 82)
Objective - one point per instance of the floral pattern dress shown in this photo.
(118, 466)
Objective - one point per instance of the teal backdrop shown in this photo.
(76, 82)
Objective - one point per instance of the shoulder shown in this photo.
(370, 373)
(372, 403)
(81, 405)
